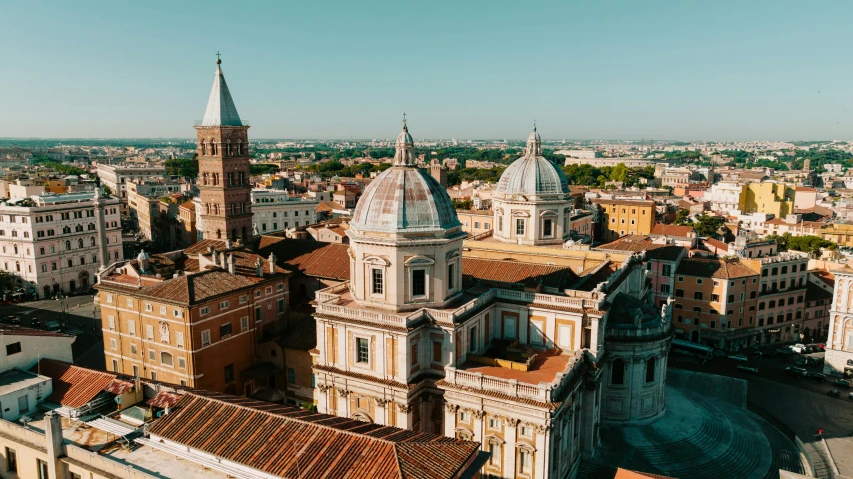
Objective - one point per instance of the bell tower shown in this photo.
(223, 166)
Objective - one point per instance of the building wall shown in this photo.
(626, 218)
(37, 243)
(475, 223)
(771, 198)
(33, 348)
(839, 346)
(159, 330)
(782, 294)
(534, 215)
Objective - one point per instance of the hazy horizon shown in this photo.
(721, 71)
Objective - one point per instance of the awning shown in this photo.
(262, 370)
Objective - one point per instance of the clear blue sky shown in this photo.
(465, 69)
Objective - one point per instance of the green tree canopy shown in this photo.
(184, 167)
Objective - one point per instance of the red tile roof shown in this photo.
(163, 399)
(672, 230)
(501, 271)
(13, 330)
(74, 386)
(280, 440)
(714, 268)
(714, 245)
(311, 258)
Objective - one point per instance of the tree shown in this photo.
(682, 218)
(462, 204)
(705, 225)
(107, 190)
(807, 244)
(7, 281)
(184, 167)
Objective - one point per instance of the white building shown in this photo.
(115, 176)
(53, 242)
(276, 210)
(404, 343)
(725, 196)
(23, 347)
(839, 345)
(532, 204)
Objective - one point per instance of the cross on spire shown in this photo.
(218, 60)
(404, 118)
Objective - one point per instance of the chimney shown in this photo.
(222, 261)
(231, 263)
(211, 249)
(259, 267)
(271, 261)
(53, 437)
(229, 244)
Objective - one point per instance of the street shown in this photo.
(80, 318)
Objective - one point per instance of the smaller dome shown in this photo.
(404, 138)
(532, 174)
(143, 256)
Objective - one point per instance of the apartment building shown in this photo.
(771, 198)
(191, 317)
(276, 210)
(816, 315)
(625, 217)
(725, 196)
(54, 243)
(782, 296)
(794, 225)
(116, 176)
(715, 302)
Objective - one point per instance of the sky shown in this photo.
(676, 70)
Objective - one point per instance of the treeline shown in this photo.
(60, 168)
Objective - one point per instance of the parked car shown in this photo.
(821, 346)
(800, 362)
(739, 357)
(13, 319)
(785, 351)
(748, 369)
(817, 376)
(719, 353)
(53, 326)
(834, 393)
(35, 323)
(796, 372)
(842, 383)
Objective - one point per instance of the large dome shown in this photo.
(404, 198)
(532, 174)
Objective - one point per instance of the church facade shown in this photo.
(522, 371)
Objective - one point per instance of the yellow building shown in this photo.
(771, 198)
(838, 233)
(625, 217)
(56, 186)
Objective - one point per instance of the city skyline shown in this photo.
(763, 71)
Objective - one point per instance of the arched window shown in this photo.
(79, 242)
(18, 266)
(166, 359)
(66, 229)
(228, 148)
(78, 228)
(92, 241)
(115, 254)
(617, 372)
(82, 260)
(16, 249)
(203, 148)
(67, 245)
(233, 234)
(650, 370)
(239, 147)
(70, 263)
(94, 258)
(44, 268)
(218, 234)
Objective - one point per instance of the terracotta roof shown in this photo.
(163, 399)
(632, 243)
(597, 274)
(280, 440)
(516, 272)
(824, 276)
(715, 245)
(714, 268)
(74, 386)
(626, 474)
(805, 188)
(13, 330)
(203, 245)
(673, 230)
(328, 206)
(188, 205)
(195, 288)
(311, 258)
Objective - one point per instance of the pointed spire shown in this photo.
(220, 107)
(405, 154)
